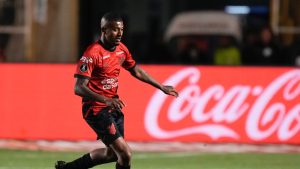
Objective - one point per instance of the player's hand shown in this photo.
(170, 90)
(115, 103)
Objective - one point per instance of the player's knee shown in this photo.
(111, 155)
(126, 156)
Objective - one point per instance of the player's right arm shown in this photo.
(81, 89)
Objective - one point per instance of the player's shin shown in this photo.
(83, 162)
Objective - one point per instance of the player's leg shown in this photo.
(109, 127)
(95, 157)
(100, 124)
(117, 151)
(103, 155)
(119, 145)
(123, 152)
(103, 123)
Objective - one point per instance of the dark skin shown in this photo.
(111, 34)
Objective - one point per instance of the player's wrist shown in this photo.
(162, 88)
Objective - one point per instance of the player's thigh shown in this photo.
(105, 126)
(119, 121)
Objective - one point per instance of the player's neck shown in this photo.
(106, 45)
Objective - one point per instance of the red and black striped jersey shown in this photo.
(102, 68)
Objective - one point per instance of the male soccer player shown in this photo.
(97, 83)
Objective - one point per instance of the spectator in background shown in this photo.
(267, 50)
(227, 53)
(248, 48)
(294, 53)
(190, 54)
(193, 51)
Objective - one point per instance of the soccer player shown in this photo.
(97, 83)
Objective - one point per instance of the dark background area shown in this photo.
(261, 36)
(146, 21)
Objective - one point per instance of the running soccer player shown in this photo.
(97, 83)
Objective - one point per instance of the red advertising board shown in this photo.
(216, 104)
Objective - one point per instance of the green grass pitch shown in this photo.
(21, 159)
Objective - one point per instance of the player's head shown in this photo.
(112, 28)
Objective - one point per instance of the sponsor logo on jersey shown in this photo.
(86, 59)
(109, 83)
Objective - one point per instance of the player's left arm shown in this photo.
(142, 75)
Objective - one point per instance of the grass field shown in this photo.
(20, 159)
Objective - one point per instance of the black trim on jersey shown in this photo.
(81, 76)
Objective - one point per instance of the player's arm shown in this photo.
(142, 75)
(82, 90)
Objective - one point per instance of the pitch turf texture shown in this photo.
(17, 159)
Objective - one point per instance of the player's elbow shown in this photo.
(137, 73)
(78, 90)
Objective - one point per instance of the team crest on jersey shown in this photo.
(83, 68)
(86, 59)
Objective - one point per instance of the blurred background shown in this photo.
(261, 32)
(233, 62)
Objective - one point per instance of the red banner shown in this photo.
(216, 104)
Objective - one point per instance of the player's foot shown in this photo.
(60, 165)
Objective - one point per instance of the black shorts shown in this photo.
(108, 124)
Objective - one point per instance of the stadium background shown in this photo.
(251, 107)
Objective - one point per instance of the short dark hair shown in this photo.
(112, 17)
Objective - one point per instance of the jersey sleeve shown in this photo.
(129, 62)
(85, 67)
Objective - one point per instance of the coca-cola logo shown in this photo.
(231, 105)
